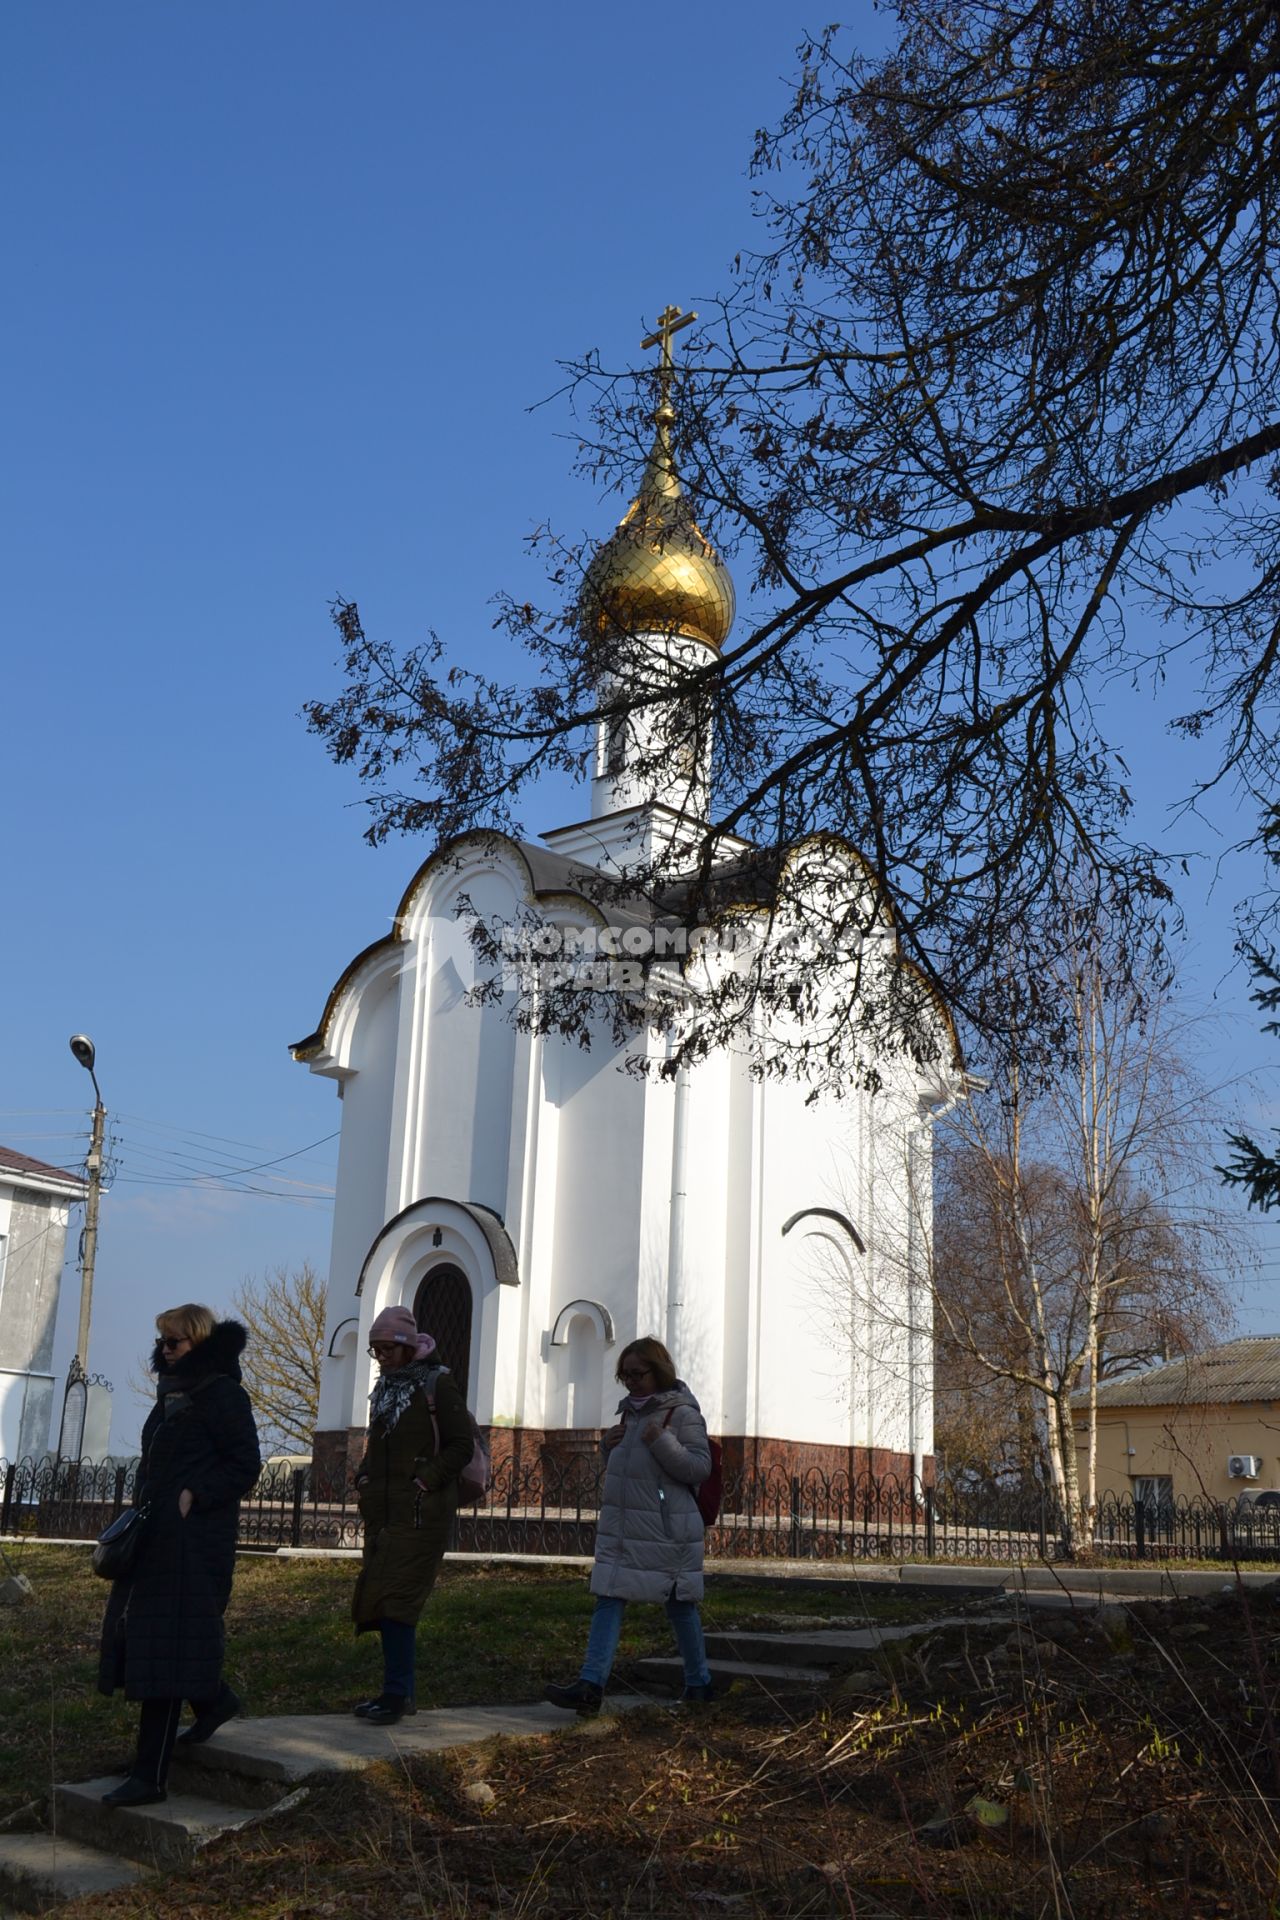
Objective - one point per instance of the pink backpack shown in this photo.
(476, 1477)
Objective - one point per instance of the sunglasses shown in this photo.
(178, 1340)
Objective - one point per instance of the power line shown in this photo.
(192, 1163)
(138, 1168)
(193, 1133)
(212, 1185)
(204, 1169)
(22, 1133)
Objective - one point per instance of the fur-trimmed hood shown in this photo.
(220, 1353)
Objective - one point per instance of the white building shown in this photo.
(35, 1206)
(538, 1205)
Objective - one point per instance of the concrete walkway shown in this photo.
(1113, 1579)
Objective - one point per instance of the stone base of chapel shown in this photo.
(559, 1460)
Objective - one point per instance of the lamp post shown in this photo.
(83, 1049)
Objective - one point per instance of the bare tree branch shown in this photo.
(284, 1313)
(990, 417)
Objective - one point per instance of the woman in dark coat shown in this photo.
(407, 1484)
(162, 1637)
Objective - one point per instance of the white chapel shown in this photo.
(538, 1204)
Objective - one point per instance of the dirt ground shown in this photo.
(1124, 1764)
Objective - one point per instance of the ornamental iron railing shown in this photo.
(551, 1508)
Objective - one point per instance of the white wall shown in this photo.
(359, 1208)
(463, 1097)
(598, 1185)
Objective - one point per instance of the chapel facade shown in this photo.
(539, 1204)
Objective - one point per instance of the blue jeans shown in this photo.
(398, 1646)
(606, 1626)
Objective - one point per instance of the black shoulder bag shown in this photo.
(116, 1554)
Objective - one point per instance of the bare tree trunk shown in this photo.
(1061, 1467)
(1031, 1452)
(1094, 1094)
(1078, 1530)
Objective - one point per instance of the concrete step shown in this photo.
(813, 1650)
(829, 1647)
(192, 1772)
(168, 1834)
(762, 1673)
(41, 1870)
(292, 1747)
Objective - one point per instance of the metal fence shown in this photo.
(776, 1515)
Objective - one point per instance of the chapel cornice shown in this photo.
(747, 887)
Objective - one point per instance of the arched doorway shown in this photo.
(442, 1307)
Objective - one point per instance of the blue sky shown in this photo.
(284, 282)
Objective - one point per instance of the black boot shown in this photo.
(210, 1715)
(134, 1792)
(145, 1787)
(579, 1696)
(385, 1710)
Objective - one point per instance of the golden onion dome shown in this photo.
(658, 573)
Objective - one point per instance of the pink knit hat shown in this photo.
(398, 1324)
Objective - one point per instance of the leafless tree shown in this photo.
(1079, 1233)
(284, 1313)
(989, 418)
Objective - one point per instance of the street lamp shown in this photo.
(83, 1049)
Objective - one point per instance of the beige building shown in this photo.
(1207, 1424)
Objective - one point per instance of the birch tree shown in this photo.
(1079, 1233)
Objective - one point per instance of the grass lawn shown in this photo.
(487, 1636)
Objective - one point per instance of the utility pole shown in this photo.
(83, 1049)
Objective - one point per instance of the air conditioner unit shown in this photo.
(1243, 1466)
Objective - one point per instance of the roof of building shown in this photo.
(1247, 1369)
(13, 1162)
(749, 879)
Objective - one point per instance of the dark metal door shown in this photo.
(442, 1308)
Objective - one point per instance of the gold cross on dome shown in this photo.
(670, 321)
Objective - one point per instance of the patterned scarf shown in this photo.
(392, 1392)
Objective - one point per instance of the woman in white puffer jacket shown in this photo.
(649, 1534)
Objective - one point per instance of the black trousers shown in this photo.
(157, 1731)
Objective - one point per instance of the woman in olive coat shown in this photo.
(407, 1485)
(162, 1635)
